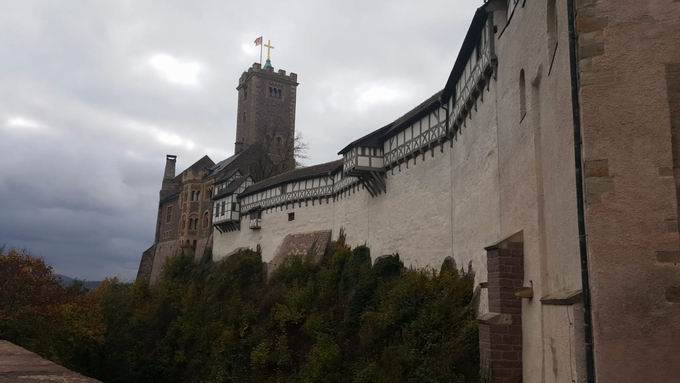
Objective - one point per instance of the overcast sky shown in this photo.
(93, 94)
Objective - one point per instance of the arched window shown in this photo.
(206, 219)
(522, 96)
(184, 222)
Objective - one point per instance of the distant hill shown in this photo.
(68, 281)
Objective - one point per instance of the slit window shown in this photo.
(522, 96)
(552, 26)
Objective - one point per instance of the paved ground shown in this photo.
(18, 365)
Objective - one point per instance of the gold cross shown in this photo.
(269, 47)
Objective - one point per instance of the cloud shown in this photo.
(24, 124)
(176, 71)
(95, 94)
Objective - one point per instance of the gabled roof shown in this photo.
(244, 161)
(203, 163)
(226, 175)
(223, 164)
(371, 140)
(467, 48)
(231, 188)
(414, 114)
(295, 175)
(376, 137)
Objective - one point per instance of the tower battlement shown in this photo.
(256, 68)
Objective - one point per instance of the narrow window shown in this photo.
(291, 216)
(522, 96)
(206, 219)
(233, 206)
(552, 24)
(244, 117)
(168, 214)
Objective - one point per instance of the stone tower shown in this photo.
(266, 113)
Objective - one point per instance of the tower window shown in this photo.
(275, 92)
(291, 216)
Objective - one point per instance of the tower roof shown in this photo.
(268, 65)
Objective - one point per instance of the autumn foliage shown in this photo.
(62, 324)
(343, 319)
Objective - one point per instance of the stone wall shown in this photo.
(628, 50)
(504, 172)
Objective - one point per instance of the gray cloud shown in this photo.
(87, 113)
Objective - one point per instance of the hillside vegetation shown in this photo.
(342, 319)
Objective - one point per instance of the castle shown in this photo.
(549, 162)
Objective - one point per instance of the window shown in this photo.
(245, 93)
(224, 204)
(552, 31)
(522, 96)
(168, 214)
(195, 195)
(206, 219)
(193, 223)
(511, 6)
(233, 206)
(244, 117)
(291, 216)
(275, 92)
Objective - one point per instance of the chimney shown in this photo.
(169, 174)
(170, 161)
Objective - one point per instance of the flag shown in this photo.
(258, 41)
